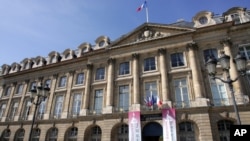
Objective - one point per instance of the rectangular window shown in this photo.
(181, 93)
(151, 92)
(32, 86)
(213, 53)
(7, 91)
(77, 100)
(19, 89)
(149, 64)
(58, 106)
(80, 78)
(48, 82)
(2, 110)
(100, 72)
(13, 111)
(245, 50)
(124, 98)
(177, 60)
(26, 110)
(124, 68)
(98, 101)
(62, 82)
(220, 97)
(42, 108)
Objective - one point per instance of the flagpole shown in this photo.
(146, 10)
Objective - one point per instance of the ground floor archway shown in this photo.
(152, 132)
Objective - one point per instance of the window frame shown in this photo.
(76, 104)
(244, 51)
(8, 90)
(124, 68)
(80, 77)
(98, 100)
(182, 95)
(19, 89)
(178, 65)
(62, 82)
(58, 106)
(147, 64)
(100, 73)
(124, 97)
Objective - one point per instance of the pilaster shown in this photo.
(110, 80)
(238, 90)
(164, 78)
(51, 96)
(198, 84)
(136, 83)
(85, 105)
(66, 102)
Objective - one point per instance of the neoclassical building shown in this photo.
(94, 87)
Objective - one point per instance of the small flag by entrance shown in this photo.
(142, 6)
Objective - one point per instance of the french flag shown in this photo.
(142, 6)
(159, 102)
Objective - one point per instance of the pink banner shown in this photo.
(169, 124)
(134, 126)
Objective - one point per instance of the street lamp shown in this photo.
(224, 60)
(41, 92)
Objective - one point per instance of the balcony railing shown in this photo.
(22, 118)
(123, 109)
(182, 104)
(73, 114)
(228, 101)
(95, 112)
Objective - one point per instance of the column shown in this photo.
(164, 78)
(196, 75)
(50, 105)
(110, 83)
(66, 101)
(85, 100)
(238, 90)
(136, 82)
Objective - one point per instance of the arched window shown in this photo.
(186, 131)
(71, 134)
(224, 129)
(52, 134)
(19, 135)
(123, 133)
(96, 134)
(36, 134)
(6, 135)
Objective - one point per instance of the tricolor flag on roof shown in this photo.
(142, 6)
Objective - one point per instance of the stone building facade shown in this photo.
(93, 88)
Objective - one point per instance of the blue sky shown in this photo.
(31, 28)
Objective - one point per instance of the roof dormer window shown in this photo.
(101, 43)
(203, 20)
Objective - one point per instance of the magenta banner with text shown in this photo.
(169, 124)
(134, 126)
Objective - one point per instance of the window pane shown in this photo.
(181, 93)
(99, 74)
(80, 78)
(149, 64)
(58, 106)
(98, 101)
(124, 97)
(177, 59)
(76, 104)
(62, 82)
(124, 68)
(210, 53)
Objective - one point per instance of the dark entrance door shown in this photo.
(152, 132)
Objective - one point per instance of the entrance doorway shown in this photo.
(152, 132)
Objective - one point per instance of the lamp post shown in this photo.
(40, 93)
(224, 60)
